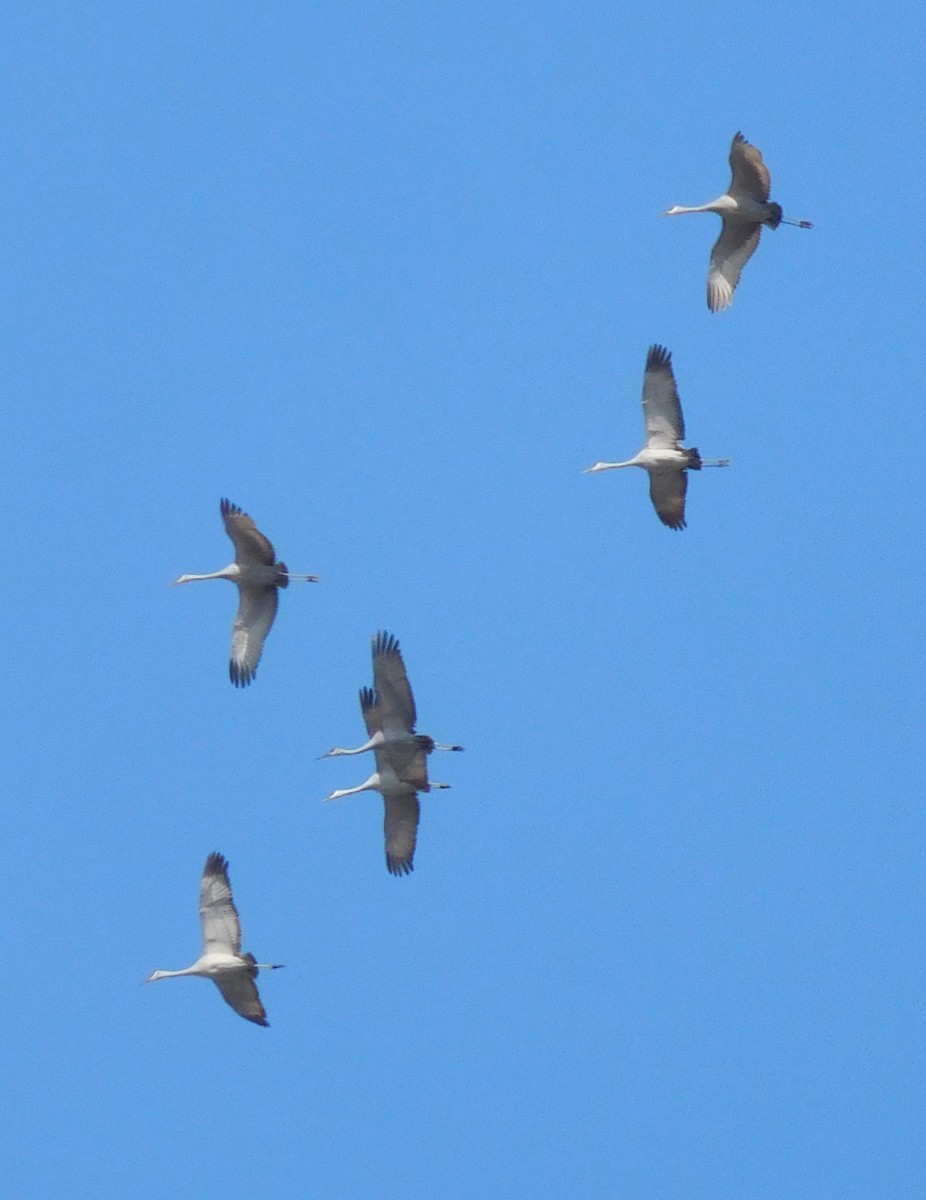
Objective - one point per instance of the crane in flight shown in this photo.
(663, 456)
(232, 972)
(259, 577)
(401, 754)
(395, 702)
(744, 209)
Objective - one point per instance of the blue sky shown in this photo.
(386, 276)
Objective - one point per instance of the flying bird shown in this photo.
(663, 455)
(401, 754)
(221, 960)
(258, 576)
(744, 209)
(395, 703)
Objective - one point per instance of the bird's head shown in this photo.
(154, 977)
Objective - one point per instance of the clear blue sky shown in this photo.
(385, 276)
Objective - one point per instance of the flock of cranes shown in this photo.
(744, 209)
(388, 707)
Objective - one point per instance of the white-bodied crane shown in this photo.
(232, 972)
(744, 209)
(663, 456)
(395, 703)
(259, 577)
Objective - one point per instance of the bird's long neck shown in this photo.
(339, 751)
(603, 466)
(194, 970)
(717, 205)
(232, 571)
(371, 785)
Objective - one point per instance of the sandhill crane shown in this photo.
(745, 208)
(396, 704)
(401, 772)
(663, 456)
(258, 576)
(221, 960)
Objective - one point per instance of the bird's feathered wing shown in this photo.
(257, 607)
(732, 250)
(401, 830)
(750, 174)
(662, 410)
(667, 491)
(217, 912)
(396, 702)
(240, 991)
(369, 707)
(250, 544)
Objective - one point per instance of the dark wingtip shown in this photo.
(216, 864)
(384, 643)
(399, 866)
(240, 676)
(657, 357)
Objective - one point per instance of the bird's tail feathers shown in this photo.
(694, 459)
(282, 575)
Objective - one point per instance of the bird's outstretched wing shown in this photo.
(750, 174)
(662, 410)
(397, 704)
(257, 607)
(401, 830)
(667, 491)
(732, 250)
(217, 912)
(369, 707)
(250, 544)
(240, 991)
